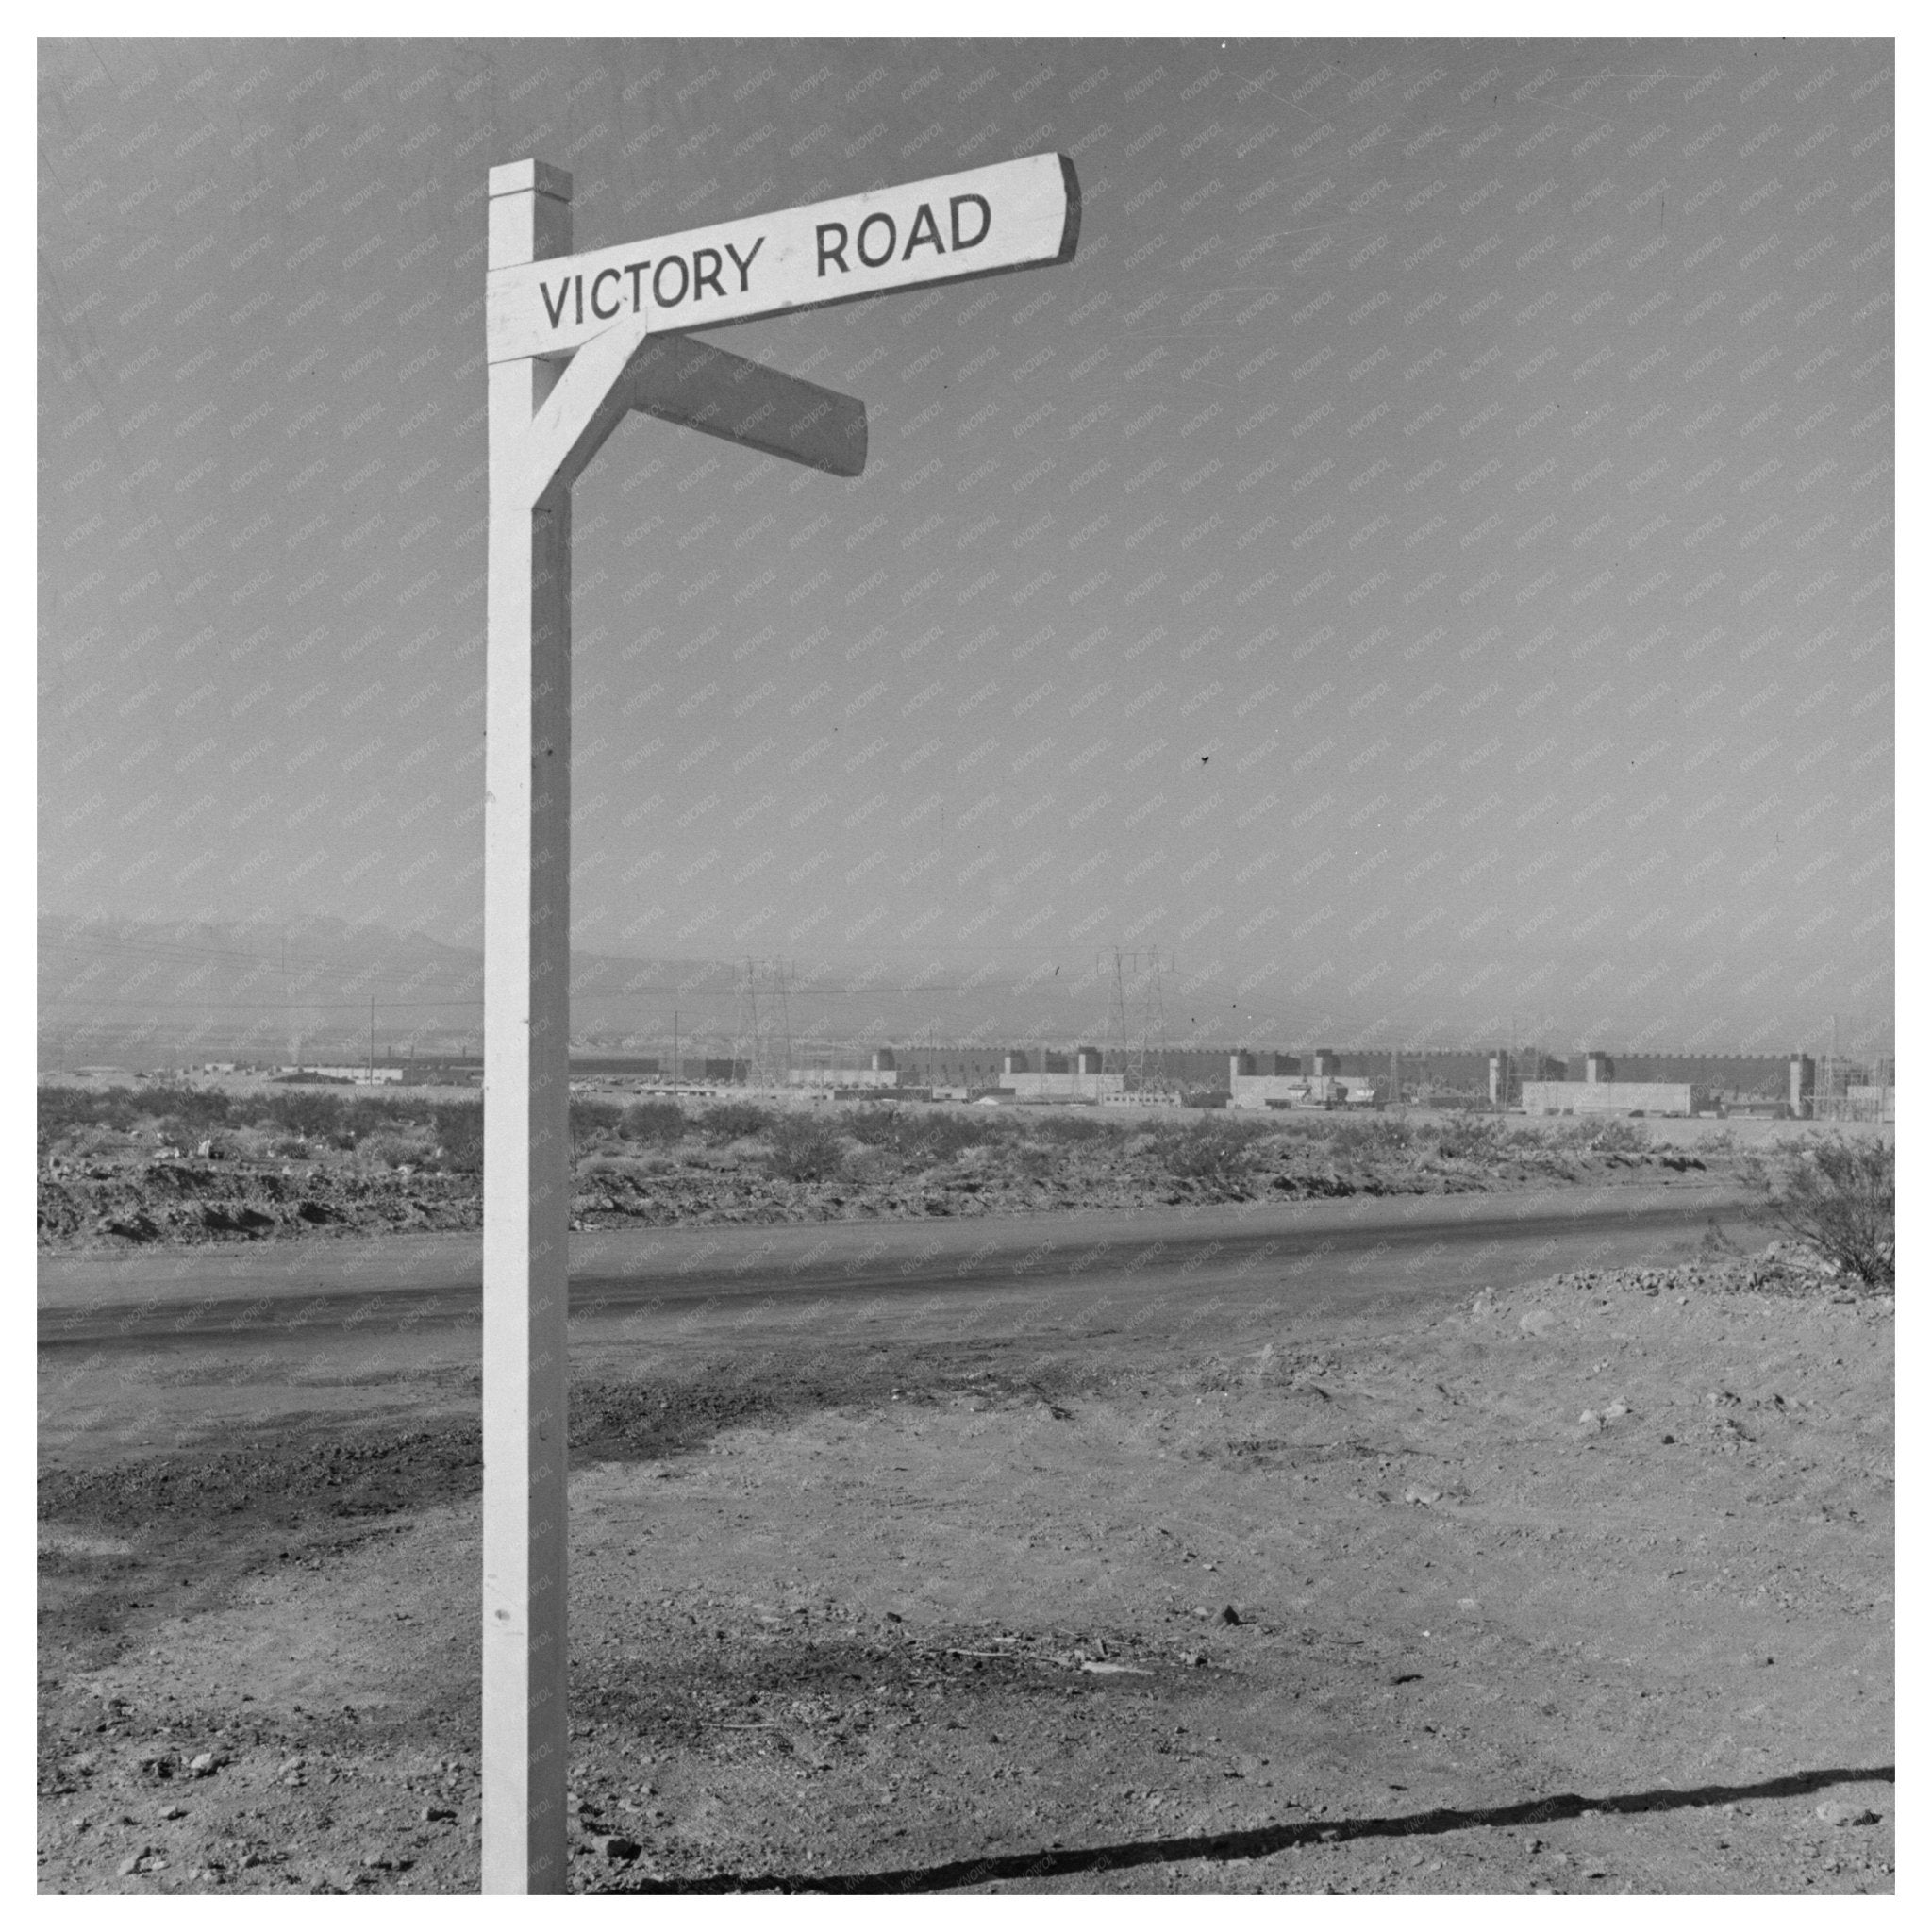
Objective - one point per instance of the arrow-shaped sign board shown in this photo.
(680, 379)
(980, 222)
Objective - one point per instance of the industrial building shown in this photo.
(1601, 1091)
(364, 1076)
(1872, 1103)
(1284, 1083)
(1610, 1096)
(1057, 1079)
(882, 1075)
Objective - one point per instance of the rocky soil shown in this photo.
(103, 1190)
(1582, 1587)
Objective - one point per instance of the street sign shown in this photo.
(980, 222)
(576, 343)
(680, 379)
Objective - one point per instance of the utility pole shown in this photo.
(371, 1040)
(674, 1052)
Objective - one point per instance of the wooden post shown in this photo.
(526, 1092)
(548, 421)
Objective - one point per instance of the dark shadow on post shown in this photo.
(1264, 1840)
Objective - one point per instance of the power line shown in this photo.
(583, 994)
(215, 999)
(160, 949)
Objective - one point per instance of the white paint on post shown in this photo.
(552, 401)
(526, 1111)
(950, 228)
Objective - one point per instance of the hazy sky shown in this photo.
(1428, 562)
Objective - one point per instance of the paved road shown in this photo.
(1328, 1252)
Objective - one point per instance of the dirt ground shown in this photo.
(1579, 1586)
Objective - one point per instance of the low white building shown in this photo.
(1061, 1077)
(1303, 1089)
(1071, 1085)
(359, 1076)
(1286, 1085)
(883, 1077)
(882, 1072)
(1610, 1096)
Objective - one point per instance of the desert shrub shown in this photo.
(1216, 1151)
(925, 1138)
(373, 1114)
(921, 1137)
(302, 1112)
(876, 1126)
(631, 1169)
(1378, 1134)
(733, 1120)
(62, 1111)
(385, 1147)
(1071, 1127)
(943, 1134)
(290, 1147)
(1029, 1161)
(189, 1105)
(653, 1120)
(803, 1148)
(1837, 1196)
(1469, 1137)
(590, 1118)
(868, 1166)
(1616, 1134)
(1601, 1134)
(459, 1128)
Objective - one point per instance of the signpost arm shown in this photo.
(526, 1088)
(700, 386)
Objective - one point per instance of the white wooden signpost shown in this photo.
(575, 343)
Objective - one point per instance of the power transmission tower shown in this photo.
(785, 1022)
(1137, 1018)
(763, 1038)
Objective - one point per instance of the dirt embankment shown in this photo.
(187, 1200)
(1584, 1586)
(101, 1190)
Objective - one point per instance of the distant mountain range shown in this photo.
(312, 989)
(147, 993)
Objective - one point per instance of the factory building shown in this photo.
(1059, 1078)
(1610, 1096)
(364, 1076)
(881, 1075)
(1284, 1084)
(1872, 1103)
(1601, 1091)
